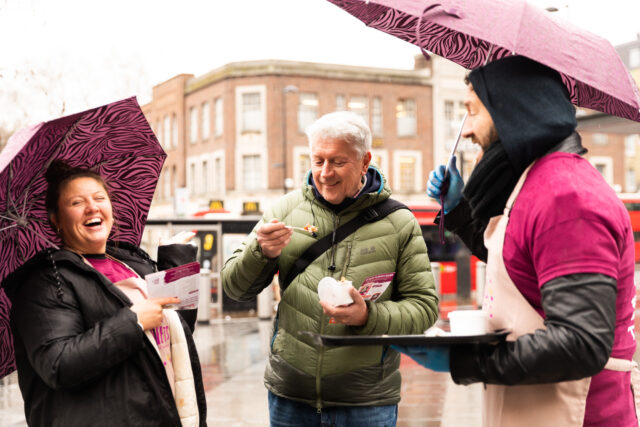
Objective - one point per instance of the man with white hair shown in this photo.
(371, 241)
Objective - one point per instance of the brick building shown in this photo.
(613, 142)
(227, 141)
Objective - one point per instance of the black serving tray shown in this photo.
(332, 341)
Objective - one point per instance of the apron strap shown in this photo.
(516, 190)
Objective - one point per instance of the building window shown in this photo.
(360, 106)
(380, 159)
(634, 57)
(600, 138)
(251, 172)
(218, 120)
(448, 119)
(193, 125)
(341, 103)
(192, 178)
(167, 131)
(630, 181)
(376, 160)
(206, 181)
(174, 131)
(406, 117)
(630, 145)
(217, 182)
(407, 168)
(307, 110)
(604, 165)
(376, 117)
(167, 183)
(174, 174)
(453, 118)
(206, 122)
(304, 164)
(251, 112)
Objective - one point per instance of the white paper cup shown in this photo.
(334, 292)
(468, 322)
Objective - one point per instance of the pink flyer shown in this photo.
(374, 286)
(181, 282)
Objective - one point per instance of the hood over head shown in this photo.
(529, 105)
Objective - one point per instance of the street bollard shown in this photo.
(204, 296)
(265, 303)
(435, 269)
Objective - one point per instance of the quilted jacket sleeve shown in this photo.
(414, 304)
(52, 331)
(247, 272)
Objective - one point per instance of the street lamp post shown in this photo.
(285, 90)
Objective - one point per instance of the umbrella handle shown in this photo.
(444, 189)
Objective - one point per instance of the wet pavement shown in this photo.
(233, 352)
(233, 366)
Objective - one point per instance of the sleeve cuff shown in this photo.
(369, 327)
(175, 255)
(138, 320)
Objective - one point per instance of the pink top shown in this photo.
(568, 220)
(113, 270)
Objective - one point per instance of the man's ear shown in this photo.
(366, 161)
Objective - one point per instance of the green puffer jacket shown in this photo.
(347, 375)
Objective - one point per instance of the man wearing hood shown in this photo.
(560, 259)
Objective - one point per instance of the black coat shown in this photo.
(82, 358)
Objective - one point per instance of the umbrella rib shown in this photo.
(11, 226)
(33, 200)
(53, 155)
(6, 212)
(131, 156)
(43, 237)
(9, 198)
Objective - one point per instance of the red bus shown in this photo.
(632, 203)
(443, 254)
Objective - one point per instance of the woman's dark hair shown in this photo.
(58, 174)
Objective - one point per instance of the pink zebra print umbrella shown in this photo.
(468, 31)
(116, 141)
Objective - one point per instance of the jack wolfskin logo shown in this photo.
(368, 251)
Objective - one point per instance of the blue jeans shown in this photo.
(288, 413)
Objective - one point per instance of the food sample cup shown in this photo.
(468, 322)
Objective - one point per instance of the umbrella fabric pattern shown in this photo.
(116, 141)
(468, 32)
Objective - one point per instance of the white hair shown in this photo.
(343, 125)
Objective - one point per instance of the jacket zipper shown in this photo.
(319, 368)
(332, 261)
(347, 262)
(331, 268)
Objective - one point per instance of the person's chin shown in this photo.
(335, 200)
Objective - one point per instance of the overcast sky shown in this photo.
(88, 52)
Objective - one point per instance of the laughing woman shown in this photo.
(91, 348)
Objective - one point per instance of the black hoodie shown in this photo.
(532, 113)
